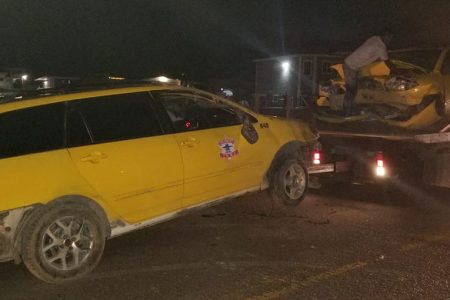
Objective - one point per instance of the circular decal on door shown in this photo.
(227, 148)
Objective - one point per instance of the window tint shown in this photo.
(111, 118)
(189, 111)
(222, 116)
(32, 130)
(77, 131)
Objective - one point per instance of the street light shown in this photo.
(163, 79)
(285, 67)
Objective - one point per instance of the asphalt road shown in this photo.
(342, 242)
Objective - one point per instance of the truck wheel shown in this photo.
(290, 182)
(62, 242)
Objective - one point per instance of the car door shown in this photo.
(248, 167)
(209, 135)
(121, 150)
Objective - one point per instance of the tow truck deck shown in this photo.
(375, 152)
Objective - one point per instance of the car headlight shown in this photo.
(400, 84)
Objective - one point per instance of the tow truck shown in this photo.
(373, 152)
(402, 135)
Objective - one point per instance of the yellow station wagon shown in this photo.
(81, 167)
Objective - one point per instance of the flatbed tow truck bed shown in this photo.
(373, 151)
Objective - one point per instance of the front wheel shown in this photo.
(290, 182)
(62, 242)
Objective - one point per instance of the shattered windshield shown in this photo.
(423, 58)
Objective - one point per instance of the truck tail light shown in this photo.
(380, 170)
(316, 157)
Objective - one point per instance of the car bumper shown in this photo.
(322, 168)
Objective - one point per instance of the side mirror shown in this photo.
(248, 131)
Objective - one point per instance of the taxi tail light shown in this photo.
(380, 170)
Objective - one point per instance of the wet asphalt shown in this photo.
(342, 242)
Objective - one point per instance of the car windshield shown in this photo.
(423, 58)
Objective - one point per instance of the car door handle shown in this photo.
(191, 142)
(94, 157)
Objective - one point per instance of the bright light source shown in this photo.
(227, 92)
(163, 79)
(316, 157)
(380, 163)
(380, 171)
(24, 77)
(285, 66)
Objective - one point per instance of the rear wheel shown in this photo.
(62, 242)
(290, 182)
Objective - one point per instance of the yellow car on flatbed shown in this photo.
(81, 167)
(415, 95)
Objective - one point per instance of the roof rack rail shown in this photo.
(109, 83)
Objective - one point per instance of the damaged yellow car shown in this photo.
(415, 95)
(81, 167)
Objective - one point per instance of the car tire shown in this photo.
(62, 242)
(290, 182)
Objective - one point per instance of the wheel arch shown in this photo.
(63, 200)
(293, 149)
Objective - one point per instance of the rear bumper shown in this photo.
(322, 168)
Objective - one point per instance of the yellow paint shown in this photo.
(423, 119)
(378, 68)
(426, 240)
(40, 178)
(297, 286)
(140, 179)
(323, 101)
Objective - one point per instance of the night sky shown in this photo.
(202, 39)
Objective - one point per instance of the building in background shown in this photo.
(13, 78)
(52, 82)
(287, 81)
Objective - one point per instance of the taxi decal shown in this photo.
(227, 148)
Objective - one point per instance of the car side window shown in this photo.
(32, 130)
(111, 118)
(223, 115)
(190, 111)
